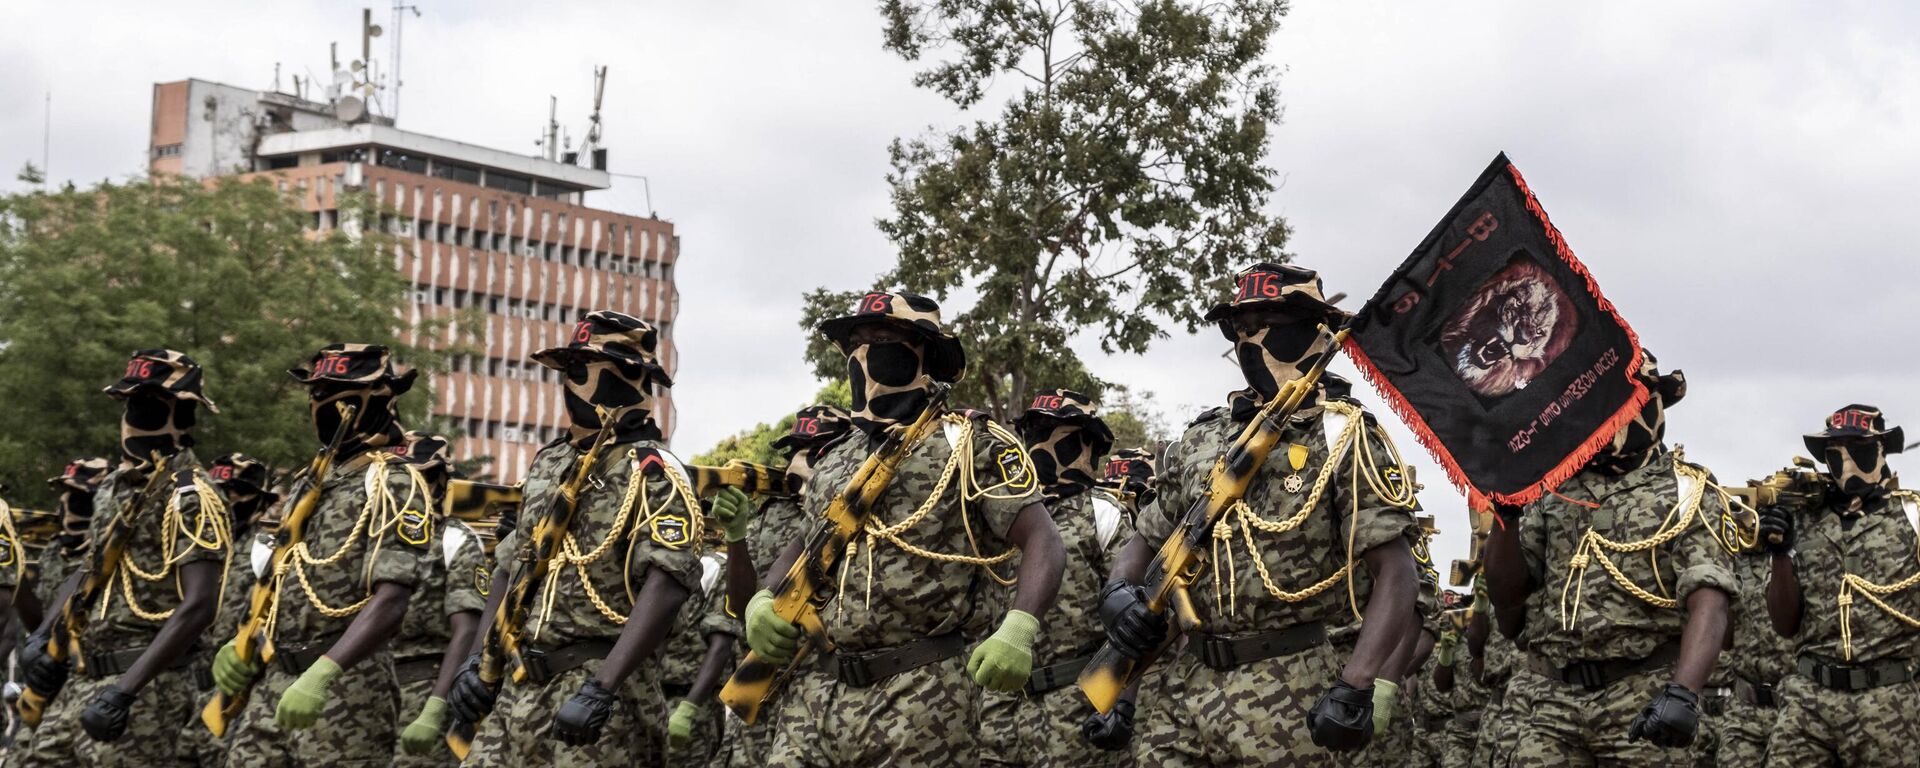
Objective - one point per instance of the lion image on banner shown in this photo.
(1518, 322)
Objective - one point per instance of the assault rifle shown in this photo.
(108, 552)
(754, 479)
(801, 592)
(1800, 483)
(480, 505)
(1179, 560)
(247, 643)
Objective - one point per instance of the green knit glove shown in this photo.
(301, 705)
(1004, 660)
(420, 735)
(1385, 693)
(774, 638)
(680, 725)
(1448, 642)
(732, 510)
(231, 674)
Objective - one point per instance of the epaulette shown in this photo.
(1208, 415)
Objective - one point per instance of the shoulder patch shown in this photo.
(6, 551)
(482, 581)
(671, 529)
(1012, 464)
(414, 528)
(1394, 479)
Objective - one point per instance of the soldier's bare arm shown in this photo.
(1130, 565)
(1508, 580)
(1042, 559)
(463, 628)
(199, 601)
(783, 564)
(714, 667)
(1783, 597)
(647, 625)
(1423, 644)
(742, 578)
(1702, 638)
(1389, 617)
(25, 604)
(376, 624)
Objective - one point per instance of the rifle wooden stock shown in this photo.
(248, 645)
(756, 681)
(1178, 562)
(754, 479)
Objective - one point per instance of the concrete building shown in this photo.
(480, 228)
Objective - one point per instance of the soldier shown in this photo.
(58, 561)
(245, 484)
(443, 617)
(1432, 699)
(160, 543)
(628, 561)
(1504, 709)
(1049, 723)
(1127, 480)
(1603, 640)
(322, 691)
(1244, 692)
(697, 660)
(1843, 568)
(1761, 659)
(898, 686)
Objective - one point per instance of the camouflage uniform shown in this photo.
(1432, 711)
(1254, 713)
(116, 633)
(1568, 723)
(1504, 711)
(356, 727)
(1760, 659)
(923, 716)
(450, 584)
(703, 616)
(659, 535)
(1819, 725)
(1394, 748)
(197, 744)
(779, 523)
(1024, 728)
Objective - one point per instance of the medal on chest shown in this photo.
(1297, 459)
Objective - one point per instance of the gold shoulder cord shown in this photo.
(624, 526)
(1872, 593)
(1353, 450)
(379, 514)
(1594, 546)
(209, 531)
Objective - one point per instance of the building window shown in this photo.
(167, 150)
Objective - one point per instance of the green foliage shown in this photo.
(1119, 186)
(31, 174)
(755, 445)
(1135, 418)
(227, 273)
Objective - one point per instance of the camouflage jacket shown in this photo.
(703, 616)
(893, 596)
(1093, 529)
(454, 582)
(616, 544)
(1759, 654)
(1299, 559)
(1878, 546)
(1426, 602)
(1596, 618)
(56, 564)
(1429, 702)
(235, 592)
(387, 546)
(177, 528)
(779, 523)
(1503, 658)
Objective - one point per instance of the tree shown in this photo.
(1135, 419)
(1119, 186)
(227, 273)
(755, 445)
(31, 174)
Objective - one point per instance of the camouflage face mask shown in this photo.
(1275, 355)
(889, 382)
(1061, 455)
(76, 519)
(1635, 445)
(373, 426)
(153, 424)
(1859, 468)
(622, 391)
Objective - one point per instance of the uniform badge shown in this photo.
(1297, 459)
(482, 581)
(6, 551)
(670, 530)
(1013, 468)
(1395, 481)
(1421, 554)
(413, 528)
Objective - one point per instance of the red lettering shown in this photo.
(72, 469)
(1483, 226)
(806, 425)
(1479, 230)
(1116, 468)
(331, 365)
(1259, 285)
(139, 369)
(875, 304)
(1046, 403)
(582, 331)
(222, 473)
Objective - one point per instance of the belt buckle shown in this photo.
(852, 671)
(1217, 652)
(1587, 675)
(534, 661)
(1763, 694)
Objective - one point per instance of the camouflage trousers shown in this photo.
(1502, 723)
(1742, 733)
(747, 746)
(1040, 731)
(153, 725)
(921, 718)
(355, 728)
(706, 745)
(1392, 749)
(413, 698)
(1821, 726)
(1461, 738)
(206, 749)
(1566, 725)
(519, 733)
(1254, 714)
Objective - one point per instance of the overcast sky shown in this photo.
(1740, 177)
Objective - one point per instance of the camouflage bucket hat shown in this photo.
(428, 451)
(244, 472)
(171, 373)
(1268, 285)
(946, 360)
(81, 475)
(609, 335)
(1858, 421)
(1068, 406)
(1129, 462)
(362, 364)
(815, 424)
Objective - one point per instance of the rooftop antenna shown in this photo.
(398, 16)
(276, 77)
(590, 149)
(552, 141)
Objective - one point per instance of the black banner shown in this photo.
(1496, 347)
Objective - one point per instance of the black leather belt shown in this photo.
(1594, 675)
(114, 663)
(1757, 694)
(1224, 653)
(1855, 677)
(544, 664)
(861, 671)
(416, 669)
(294, 658)
(1053, 677)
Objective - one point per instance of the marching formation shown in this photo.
(921, 585)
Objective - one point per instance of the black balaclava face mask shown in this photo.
(1637, 444)
(889, 382)
(1859, 469)
(76, 515)
(1062, 456)
(624, 392)
(1275, 355)
(244, 505)
(153, 424)
(374, 424)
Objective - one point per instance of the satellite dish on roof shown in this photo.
(349, 109)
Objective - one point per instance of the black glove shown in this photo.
(1133, 630)
(1670, 720)
(1342, 720)
(580, 719)
(105, 718)
(1111, 731)
(41, 673)
(1776, 529)
(469, 697)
